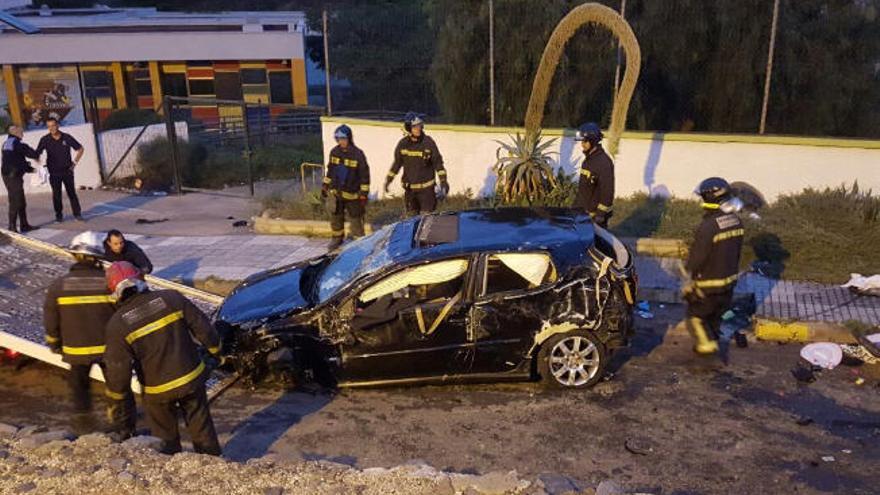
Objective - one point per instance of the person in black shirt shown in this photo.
(15, 165)
(117, 248)
(57, 146)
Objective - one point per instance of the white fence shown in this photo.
(661, 164)
(114, 143)
(87, 172)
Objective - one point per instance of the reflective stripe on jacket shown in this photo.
(713, 261)
(76, 311)
(157, 331)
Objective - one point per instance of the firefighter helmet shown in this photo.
(87, 243)
(122, 275)
(714, 190)
(590, 132)
(342, 132)
(411, 119)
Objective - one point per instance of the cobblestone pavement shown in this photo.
(24, 276)
(777, 299)
(228, 257)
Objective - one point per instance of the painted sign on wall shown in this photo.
(51, 92)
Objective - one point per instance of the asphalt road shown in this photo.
(666, 422)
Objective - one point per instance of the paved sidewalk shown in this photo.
(777, 299)
(228, 257)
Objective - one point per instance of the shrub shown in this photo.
(524, 169)
(130, 117)
(155, 167)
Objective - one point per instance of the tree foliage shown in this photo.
(703, 62)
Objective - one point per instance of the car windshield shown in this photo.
(359, 258)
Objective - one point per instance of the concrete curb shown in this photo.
(802, 331)
(661, 248)
(305, 228)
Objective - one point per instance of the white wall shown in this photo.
(114, 143)
(662, 164)
(87, 172)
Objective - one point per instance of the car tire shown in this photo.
(575, 359)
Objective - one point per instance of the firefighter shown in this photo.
(595, 193)
(156, 332)
(713, 264)
(75, 314)
(422, 166)
(348, 181)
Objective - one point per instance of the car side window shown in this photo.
(517, 271)
(433, 282)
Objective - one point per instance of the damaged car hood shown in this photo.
(265, 296)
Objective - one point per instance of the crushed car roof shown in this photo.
(565, 233)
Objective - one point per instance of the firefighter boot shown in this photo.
(703, 344)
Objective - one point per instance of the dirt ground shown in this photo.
(665, 423)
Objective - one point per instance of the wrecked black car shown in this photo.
(478, 295)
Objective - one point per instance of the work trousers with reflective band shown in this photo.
(420, 201)
(17, 203)
(162, 418)
(355, 211)
(704, 315)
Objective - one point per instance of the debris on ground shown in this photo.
(142, 221)
(638, 446)
(643, 309)
(240, 223)
(868, 286)
(95, 465)
(825, 355)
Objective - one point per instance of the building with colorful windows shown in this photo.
(85, 63)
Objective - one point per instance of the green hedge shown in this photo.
(817, 235)
(130, 117)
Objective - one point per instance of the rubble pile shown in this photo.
(33, 460)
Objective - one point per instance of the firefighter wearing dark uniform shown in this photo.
(713, 264)
(14, 166)
(75, 315)
(348, 180)
(595, 193)
(155, 332)
(422, 166)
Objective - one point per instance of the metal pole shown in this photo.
(491, 62)
(172, 143)
(763, 125)
(619, 54)
(327, 64)
(247, 147)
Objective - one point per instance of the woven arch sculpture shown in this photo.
(588, 13)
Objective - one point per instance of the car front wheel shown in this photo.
(572, 360)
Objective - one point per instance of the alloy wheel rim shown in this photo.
(574, 361)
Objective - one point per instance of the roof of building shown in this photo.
(102, 18)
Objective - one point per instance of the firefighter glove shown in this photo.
(324, 191)
(690, 292)
(363, 200)
(55, 347)
(388, 181)
(444, 189)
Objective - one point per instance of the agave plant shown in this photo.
(524, 169)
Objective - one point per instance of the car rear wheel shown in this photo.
(572, 360)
